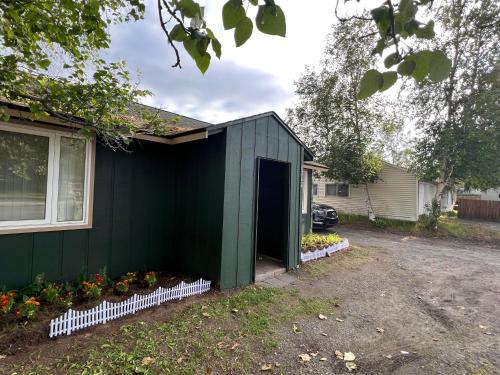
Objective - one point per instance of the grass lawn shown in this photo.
(224, 335)
(448, 227)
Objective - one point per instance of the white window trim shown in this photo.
(305, 191)
(50, 223)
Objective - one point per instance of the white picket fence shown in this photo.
(74, 320)
(313, 255)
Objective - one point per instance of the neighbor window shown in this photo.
(315, 189)
(331, 189)
(337, 190)
(44, 178)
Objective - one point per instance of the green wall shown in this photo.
(252, 138)
(149, 214)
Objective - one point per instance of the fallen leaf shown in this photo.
(205, 314)
(296, 329)
(388, 356)
(349, 356)
(380, 330)
(435, 339)
(404, 352)
(277, 364)
(339, 354)
(180, 359)
(419, 297)
(208, 371)
(488, 333)
(351, 366)
(339, 320)
(483, 327)
(305, 357)
(234, 310)
(2, 356)
(147, 361)
(314, 355)
(235, 345)
(220, 344)
(322, 317)
(323, 359)
(266, 367)
(324, 334)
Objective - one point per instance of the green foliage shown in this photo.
(313, 241)
(271, 20)
(433, 212)
(243, 31)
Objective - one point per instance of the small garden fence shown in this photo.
(316, 254)
(478, 209)
(74, 320)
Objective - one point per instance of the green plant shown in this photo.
(51, 292)
(7, 301)
(150, 279)
(66, 300)
(433, 213)
(121, 287)
(314, 241)
(28, 308)
(130, 277)
(91, 290)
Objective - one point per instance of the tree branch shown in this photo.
(163, 23)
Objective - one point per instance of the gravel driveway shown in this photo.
(436, 300)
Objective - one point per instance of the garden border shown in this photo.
(316, 254)
(74, 320)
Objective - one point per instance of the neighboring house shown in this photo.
(487, 195)
(308, 190)
(202, 201)
(396, 195)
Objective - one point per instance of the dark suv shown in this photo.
(323, 216)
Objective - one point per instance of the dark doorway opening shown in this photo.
(272, 215)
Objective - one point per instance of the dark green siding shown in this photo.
(246, 141)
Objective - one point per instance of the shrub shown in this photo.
(121, 287)
(150, 279)
(452, 213)
(7, 301)
(130, 277)
(51, 292)
(91, 290)
(313, 241)
(379, 223)
(66, 300)
(28, 308)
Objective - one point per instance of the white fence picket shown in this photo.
(74, 320)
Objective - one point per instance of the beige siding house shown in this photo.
(397, 195)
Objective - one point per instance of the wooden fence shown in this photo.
(74, 320)
(477, 209)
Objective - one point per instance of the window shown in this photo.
(305, 192)
(44, 178)
(331, 189)
(315, 189)
(337, 190)
(343, 190)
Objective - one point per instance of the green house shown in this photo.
(205, 200)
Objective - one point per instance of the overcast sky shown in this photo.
(254, 78)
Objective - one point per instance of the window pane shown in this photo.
(23, 176)
(343, 190)
(71, 179)
(331, 189)
(315, 189)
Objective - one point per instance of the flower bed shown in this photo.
(315, 246)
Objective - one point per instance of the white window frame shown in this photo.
(50, 223)
(305, 191)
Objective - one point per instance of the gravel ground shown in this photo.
(436, 300)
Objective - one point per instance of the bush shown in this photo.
(51, 292)
(121, 287)
(28, 308)
(130, 277)
(91, 290)
(313, 241)
(150, 279)
(7, 301)
(452, 213)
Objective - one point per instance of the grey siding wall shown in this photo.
(394, 196)
(262, 137)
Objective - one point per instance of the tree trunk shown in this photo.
(369, 205)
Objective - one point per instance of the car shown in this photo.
(323, 215)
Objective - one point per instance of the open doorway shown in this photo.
(272, 218)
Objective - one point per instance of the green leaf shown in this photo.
(243, 31)
(216, 46)
(44, 64)
(379, 48)
(390, 79)
(191, 48)
(177, 33)
(411, 27)
(381, 17)
(407, 8)
(422, 61)
(232, 13)
(253, 2)
(189, 8)
(202, 62)
(407, 67)
(440, 66)
(268, 23)
(371, 82)
(391, 60)
(426, 32)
